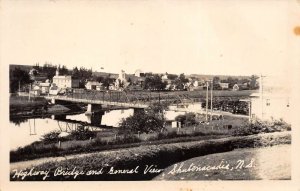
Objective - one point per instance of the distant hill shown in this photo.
(222, 77)
(105, 74)
(115, 75)
(22, 67)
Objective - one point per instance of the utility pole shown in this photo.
(19, 87)
(29, 91)
(250, 111)
(261, 94)
(206, 101)
(211, 97)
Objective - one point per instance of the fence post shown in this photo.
(59, 144)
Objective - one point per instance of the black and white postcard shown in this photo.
(149, 95)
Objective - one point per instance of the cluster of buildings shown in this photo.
(59, 84)
(271, 102)
(134, 82)
(62, 83)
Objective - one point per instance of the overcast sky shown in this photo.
(205, 37)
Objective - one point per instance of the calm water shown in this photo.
(31, 130)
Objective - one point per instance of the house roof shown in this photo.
(53, 88)
(45, 84)
(94, 83)
(62, 77)
(134, 78)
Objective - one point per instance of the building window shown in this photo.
(268, 102)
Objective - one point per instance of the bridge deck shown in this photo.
(100, 102)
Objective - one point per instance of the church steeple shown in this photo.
(57, 71)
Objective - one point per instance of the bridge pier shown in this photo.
(58, 117)
(95, 118)
(92, 108)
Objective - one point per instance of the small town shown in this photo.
(174, 95)
(99, 125)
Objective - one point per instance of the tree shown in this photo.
(252, 83)
(232, 81)
(180, 82)
(216, 79)
(63, 70)
(48, 69)
(18, 77)
(172, 76)
(75, 73)
(154, 83)
(187, 119)
(142, 122)
(107, 81)
(216, 83)
(158, 109)
(129, 81)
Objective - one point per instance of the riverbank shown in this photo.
(22, 107)
(152, 156)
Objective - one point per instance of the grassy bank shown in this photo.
(84, 140)
(159, 155)
(40, 149)
(23, 103)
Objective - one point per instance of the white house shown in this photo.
(138, 73)
(164, 77)
(45, 87)
(36, 90)
(65, 81)
(93, 85)
(272, 101)
(121, 81)
(224, 86)
(53, 90)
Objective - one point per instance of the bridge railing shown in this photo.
(140, 97)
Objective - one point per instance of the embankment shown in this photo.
(137, 159)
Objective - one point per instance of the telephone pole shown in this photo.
(261, 91)
(206, 101)
(211, 97)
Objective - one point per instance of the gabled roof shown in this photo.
(94, 83)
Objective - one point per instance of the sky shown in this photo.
(203, 37)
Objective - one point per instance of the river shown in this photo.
(30, 130)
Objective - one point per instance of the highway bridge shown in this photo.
(135, 100)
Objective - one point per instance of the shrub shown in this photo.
(262, 127)
(82, 133)
(51, 137)
(141, 122)
(129, 138)
(187, 119)
(169, 135)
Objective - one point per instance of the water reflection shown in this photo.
(25, 131)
